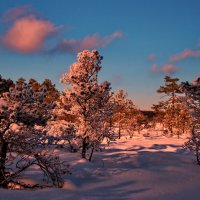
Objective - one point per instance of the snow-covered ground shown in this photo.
(151, 168)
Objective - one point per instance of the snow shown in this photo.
(141, 168)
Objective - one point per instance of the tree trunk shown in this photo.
(119, 133)
(197, 157)
(110, 123)
(183, 130)
(91, 154)
(84, 148)
(3, 153)
(171, 130)
(173, 103)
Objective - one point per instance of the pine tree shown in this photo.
(159, 110)
(88, 100)
(22, 110)
(192, 92)
(53, 93)
(5, 84)
(126, 116)
(123, 106)
(35, 85)
(172, 112)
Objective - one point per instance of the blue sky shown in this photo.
(141, 41)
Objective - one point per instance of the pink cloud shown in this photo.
(151, 57)
(154, 68)
(27, 34)
(187, 53)
(165, 69)
(168, 69)
(16, 12)
(89, 42)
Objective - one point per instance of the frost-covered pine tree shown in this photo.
(170, 89)
(88, 100)
(159, 110)
(5, 84)
(172, 112)
(120, 112)
(125, 113)
(137, 121)
(23, 113)
(192, 92)
(60, 129)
